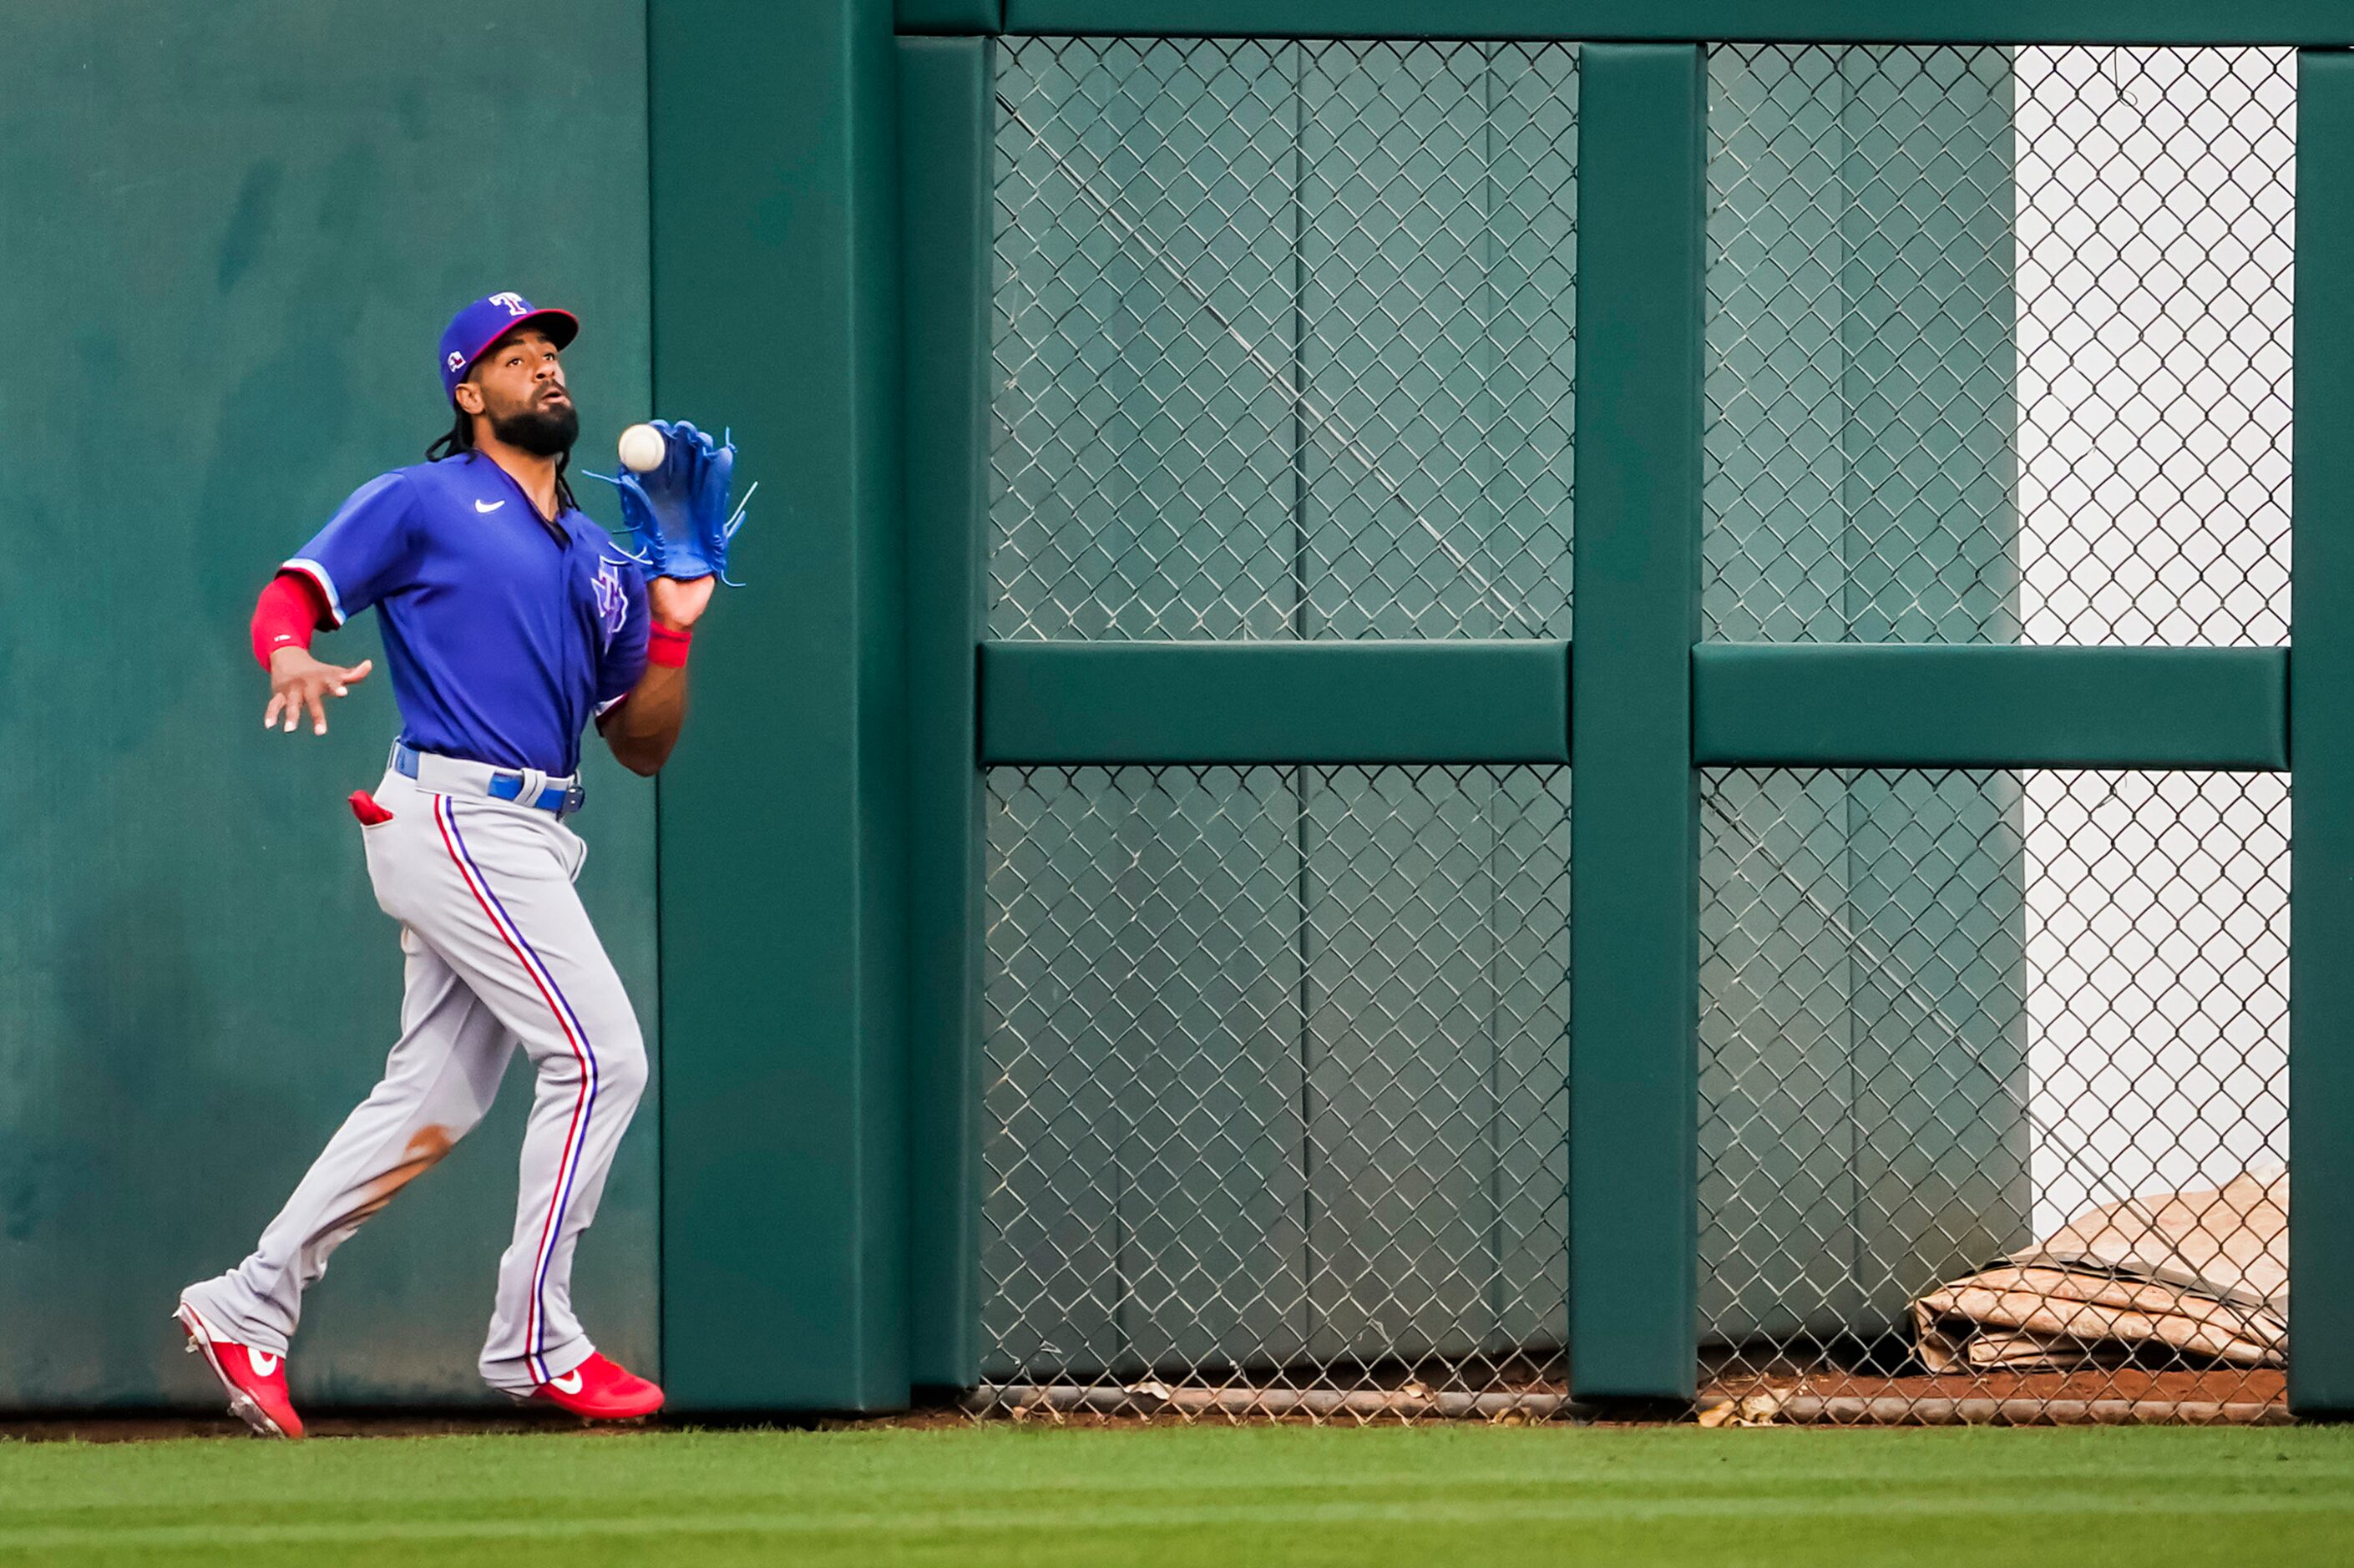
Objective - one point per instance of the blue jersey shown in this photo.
(502, 642)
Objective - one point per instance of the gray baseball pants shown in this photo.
(500, 953)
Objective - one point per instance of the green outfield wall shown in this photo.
(237, 232)
(233, 234)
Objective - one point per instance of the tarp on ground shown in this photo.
(2197, 1276)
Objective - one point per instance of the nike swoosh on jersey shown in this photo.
(569, 1383)
(488, 505)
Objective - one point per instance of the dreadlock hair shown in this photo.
(459, 441)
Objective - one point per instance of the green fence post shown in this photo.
(1635, 829)
(775, 284)
(945, 123)
(2321, 749)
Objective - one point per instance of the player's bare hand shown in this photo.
(298, 683)
(679, 605)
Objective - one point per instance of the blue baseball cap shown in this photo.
(488, 319)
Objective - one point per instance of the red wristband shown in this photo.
(667, 648)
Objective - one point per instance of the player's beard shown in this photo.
(543, 432)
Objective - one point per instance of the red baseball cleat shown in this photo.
(600, 1390)
(256, 1380)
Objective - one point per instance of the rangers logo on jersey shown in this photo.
(613, 603)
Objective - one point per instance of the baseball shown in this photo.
(642, 448)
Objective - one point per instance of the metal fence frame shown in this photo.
(1636, 710)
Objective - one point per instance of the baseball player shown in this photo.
(510, 623)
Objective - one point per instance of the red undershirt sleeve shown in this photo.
(290, 609)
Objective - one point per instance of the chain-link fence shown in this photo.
(1276, 1068)
(1993, 1064)
(2000, 345)
(1276, 1057)
(1991, 1112)
(1283, 339)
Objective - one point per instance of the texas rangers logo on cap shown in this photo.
(488, 319)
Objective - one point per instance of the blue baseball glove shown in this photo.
(679, 510)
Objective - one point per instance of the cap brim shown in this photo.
(561, 327)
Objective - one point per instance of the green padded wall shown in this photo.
(776, 310)
(235, 231)
(1863, 1027)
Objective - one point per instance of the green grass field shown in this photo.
(1001, 1494)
